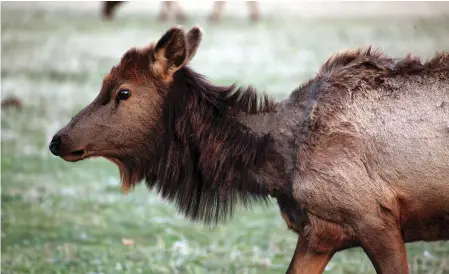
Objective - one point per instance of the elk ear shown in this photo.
(194, 37)
(171, 52)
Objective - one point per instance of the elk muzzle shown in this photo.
(61, 146)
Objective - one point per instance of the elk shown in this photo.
(358, 156)
(109, 8)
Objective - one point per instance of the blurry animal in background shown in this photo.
(167, 7)
(219, 5)
(356, 156)
(109, 8)
(11, 102)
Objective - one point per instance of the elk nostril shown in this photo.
(55, 145)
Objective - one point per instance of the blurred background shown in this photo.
(60, 217)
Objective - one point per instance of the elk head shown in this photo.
(122, 121)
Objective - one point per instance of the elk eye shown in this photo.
(123, 94)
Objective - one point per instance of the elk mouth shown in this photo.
(75, 156)
(128, 179)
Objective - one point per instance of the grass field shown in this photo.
(60, 217)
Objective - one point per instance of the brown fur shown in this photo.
(357, 156)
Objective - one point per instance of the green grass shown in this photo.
(60, 217)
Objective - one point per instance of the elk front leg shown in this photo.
(254, 10)
(385, 248)
(109, 7)
(306, 260)
(216, 10)
(180, 14)
(165, 10)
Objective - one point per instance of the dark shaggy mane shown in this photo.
(207, 159)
